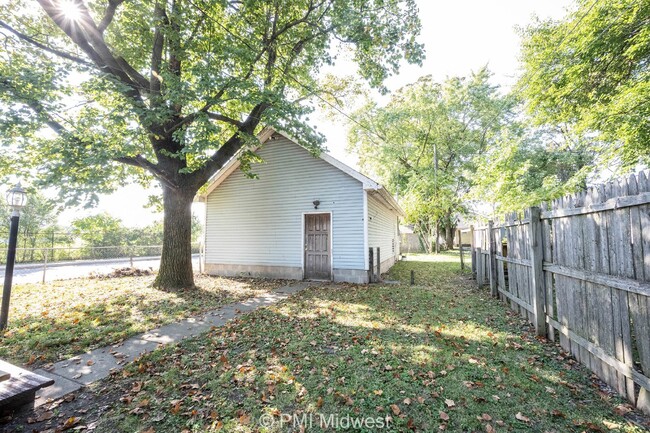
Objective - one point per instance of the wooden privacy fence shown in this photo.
(579, 270)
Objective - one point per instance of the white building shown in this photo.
(304, 217)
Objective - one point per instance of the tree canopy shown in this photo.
(423, 144)
(590, 72)
(175, 88)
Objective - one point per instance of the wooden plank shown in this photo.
(574, 310)
(642, 309)
(472, 250)
(526, 274)
(615, 266)
(511, 280)
(611, 204)
(519, 292)
(523, 304)
(597, 351)
(479, 267)
(549, 297)
(516, 222)
(606, 319)
(561, 291)
(523, 286)
(624, 284)
(492, 259)
(537, 272)
(522, 262)
(581, 288)
(592, 302)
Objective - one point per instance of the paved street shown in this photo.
(33, 273)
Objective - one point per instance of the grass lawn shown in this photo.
(440, 355)
(57, 320)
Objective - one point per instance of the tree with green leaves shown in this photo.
(171, 90)
(37, 218)
(590, 73)
(101, 230)
(526, 165)
(423, 145)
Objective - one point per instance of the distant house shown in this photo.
(304, 217)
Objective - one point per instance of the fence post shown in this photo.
(201, 256)
(460, 249)
(44, 265)
(493, 260)
(537, 270)
(371, 264)
(472, 250)
(378, 266)
(479, 267)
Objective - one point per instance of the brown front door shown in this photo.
(317, 246)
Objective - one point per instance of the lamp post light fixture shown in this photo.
(16, 199)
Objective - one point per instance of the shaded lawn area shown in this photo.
(60, 319)
(441, 355)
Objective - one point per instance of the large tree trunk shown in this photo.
(449, 236)
(176, 261)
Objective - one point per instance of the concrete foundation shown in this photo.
(358, 276)
(258, 271)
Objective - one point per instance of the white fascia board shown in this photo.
(386, 199)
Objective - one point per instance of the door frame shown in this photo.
(303, 239)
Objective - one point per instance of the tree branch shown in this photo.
(85, 34)
(109, 14)
(226, 119)
(142, 162)
(44, 47)
(156, 51)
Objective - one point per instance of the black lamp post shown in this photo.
(16, 199)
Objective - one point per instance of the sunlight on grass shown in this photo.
(406, 352)
(56, 320)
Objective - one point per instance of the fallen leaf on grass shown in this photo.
(244, 419)
(521, 417)
(410, 424)
(444, 416)
(70, 422)
(450, 403)
(407, 401)
(395, 408)
(176, 406)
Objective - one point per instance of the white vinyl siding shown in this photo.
(260, 221)
(382, 229)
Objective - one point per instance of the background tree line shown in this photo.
(579, 113)
(85, 237)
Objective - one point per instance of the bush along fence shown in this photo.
(579, 270)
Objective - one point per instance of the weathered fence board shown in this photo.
(578, 269)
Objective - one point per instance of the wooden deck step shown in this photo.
(20, 388)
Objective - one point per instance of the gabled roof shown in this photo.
(369, 185)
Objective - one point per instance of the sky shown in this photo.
(460, 36)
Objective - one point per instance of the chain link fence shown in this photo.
(50, 263)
